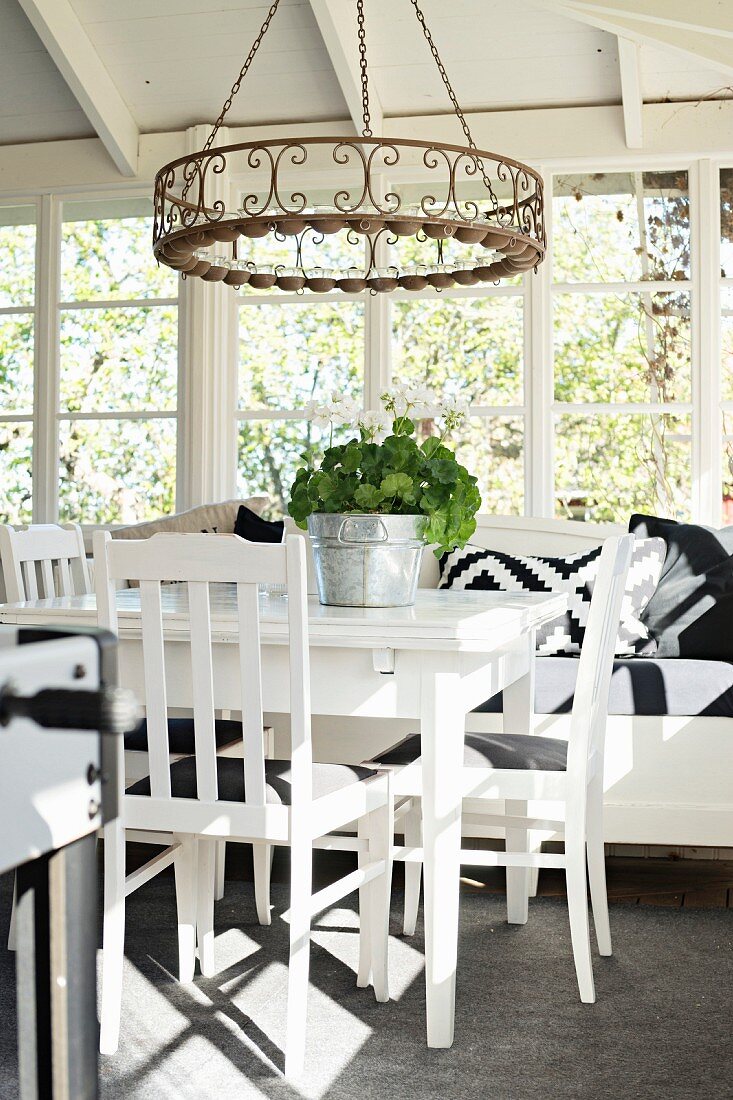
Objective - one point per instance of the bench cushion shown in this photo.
(327, 778)
(640, 685)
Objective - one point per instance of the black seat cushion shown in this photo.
(327, 778)
(639, 686)
(513, 751)
(181, 737)
(254, 528)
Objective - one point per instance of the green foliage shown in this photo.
(397, 477)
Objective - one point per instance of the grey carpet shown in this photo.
(661, 1026)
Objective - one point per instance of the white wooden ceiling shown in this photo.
(172, 62)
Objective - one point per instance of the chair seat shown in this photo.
(181, 740)
(502, 751)
(327, 778)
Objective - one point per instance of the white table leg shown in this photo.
(518, 713)
(442, 721)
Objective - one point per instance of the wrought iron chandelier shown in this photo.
(473, 216)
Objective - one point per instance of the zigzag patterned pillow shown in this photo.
(491, 570)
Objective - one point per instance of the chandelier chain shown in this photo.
(242, 73)
(367, 129)
(452, 96)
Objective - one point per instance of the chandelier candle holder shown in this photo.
(495, 232)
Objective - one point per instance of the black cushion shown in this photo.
(639, 685)
(691, 611)
(327, 778)
(513, 751)
(254, 528)
(181, 736)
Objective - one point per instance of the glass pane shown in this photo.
(117, 471)
(467, 346)
(726, 222)
(16, 448)
(607, 467)
(119, 359)
(290, 354)
(106, 252)
(18, 249)
(611, 227)
(726, 379)
(270, 453)
(16, 364)
(622, 347)
(727, 517)
(491, 448)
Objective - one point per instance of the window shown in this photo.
(472, 346)
(292, 349)
(622, 345)
(118, 342)
(17, 332)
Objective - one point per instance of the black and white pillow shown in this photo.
(491, 570)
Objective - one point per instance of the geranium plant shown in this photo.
(386, 471)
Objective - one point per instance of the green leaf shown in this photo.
(396, 485)
(368, 497)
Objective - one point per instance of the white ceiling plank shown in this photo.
(631, 95)
(706, 16)
(58, 27)
(337, 24)
(709, 47)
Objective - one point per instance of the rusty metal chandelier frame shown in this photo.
(500, 226)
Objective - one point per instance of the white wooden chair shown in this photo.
(42, 561)
(255, 800)
(524, 767)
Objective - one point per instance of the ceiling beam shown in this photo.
(708, 48)
(631, 93)
(337, 24)
(706, 16)
(58, 26)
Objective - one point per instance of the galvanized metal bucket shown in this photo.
(367, 561)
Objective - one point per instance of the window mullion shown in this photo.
(46, 362)
(538, 381)
(707, 454)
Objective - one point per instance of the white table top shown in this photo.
(439, 618)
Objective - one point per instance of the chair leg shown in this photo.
(12, 931)
(413, 871)
(534, 845)
(185, 872)
(262, 855)
(517, 878)
(578, 913)
(364, 972)
(205, 906)
(113, 936)
(301, 878)
(381, 843)
(597, 868)
(221, 858)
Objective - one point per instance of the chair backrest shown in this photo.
(198, 561)
(42, 561)
(590, 704)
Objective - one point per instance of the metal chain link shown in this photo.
(454, 101)
(367, 130)
(243, 72)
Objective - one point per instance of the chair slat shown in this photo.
(155, 689)
(202, 683)
(251, 687)
(31, 586)
(49, 587)
(66, 587)
(300, 691)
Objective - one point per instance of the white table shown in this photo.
(434, 662)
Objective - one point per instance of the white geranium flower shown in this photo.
(320, 415)
(375, 424)
(455, 411)
(344, 409)
(422, 402)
